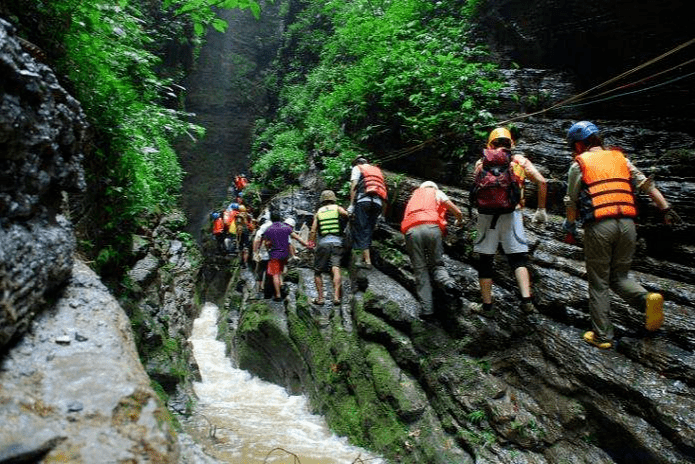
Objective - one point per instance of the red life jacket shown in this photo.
(372, 181)
(217, 226)
(423, 208)
(240, 183)
(607, 189)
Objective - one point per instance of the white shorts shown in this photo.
(509, 231)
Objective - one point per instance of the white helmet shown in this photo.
(290, 222)
(429, 183)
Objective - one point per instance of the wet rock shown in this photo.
(104, 381)
(43, 133)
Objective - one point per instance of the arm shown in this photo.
(537, 178)
(453, 209)
(574, 178)
(296, 236)
(314, 229)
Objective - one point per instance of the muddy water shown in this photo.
(241, 419)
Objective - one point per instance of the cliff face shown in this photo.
(72, 386)
(596, 41)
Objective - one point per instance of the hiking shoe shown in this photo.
(479, 308)
(590, 338)
(528, 307)
(654, 312)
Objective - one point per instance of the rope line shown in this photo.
(571, 101)
(603, 84)
(632, 92)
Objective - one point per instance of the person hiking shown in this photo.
(601, 187)
(497, 188)
(368, 196)
(244, 227)
(277, 237)
(229, 219)
(424, 225)
(328, 250)
(240, 183)
(218, 232)
(260, 254)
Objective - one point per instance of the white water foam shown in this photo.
(247, 418)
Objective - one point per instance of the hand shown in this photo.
(458, 222)
(671, 217)
(311, 244)
(351, 209)
(540, 216)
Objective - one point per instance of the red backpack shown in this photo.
(496, 188)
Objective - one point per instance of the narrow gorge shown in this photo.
(90, 373)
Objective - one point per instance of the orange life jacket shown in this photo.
(607, 190)
(217, 226)
(423, 208)
(372, 182)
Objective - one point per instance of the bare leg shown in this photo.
(486, 290)
(318, 281)
(524, 281)
(277, 283)
(336, 283)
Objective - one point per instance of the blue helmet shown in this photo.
(215, 215)
(233, 206)
(580, 131)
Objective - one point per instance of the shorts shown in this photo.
(509, 232)
(327, 256)
(276, 266)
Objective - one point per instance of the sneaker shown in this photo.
(590, 338)
(654, 312)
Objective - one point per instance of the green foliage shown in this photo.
(202, 14)
(476, 417)
(105, 52)
(387, 74)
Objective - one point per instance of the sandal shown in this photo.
(318, 302)
(336, 301)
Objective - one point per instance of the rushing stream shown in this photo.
(242, 419)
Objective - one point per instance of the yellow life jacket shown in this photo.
(607, 189)
(329, 220)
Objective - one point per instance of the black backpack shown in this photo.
(496, 188)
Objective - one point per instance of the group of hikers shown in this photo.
(601, 195)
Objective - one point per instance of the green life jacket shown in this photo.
(329, 220)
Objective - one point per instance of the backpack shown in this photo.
(496, 188)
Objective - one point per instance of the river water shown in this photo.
(242, 419)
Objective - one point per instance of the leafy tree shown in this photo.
(381, 76)
(104, 51)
